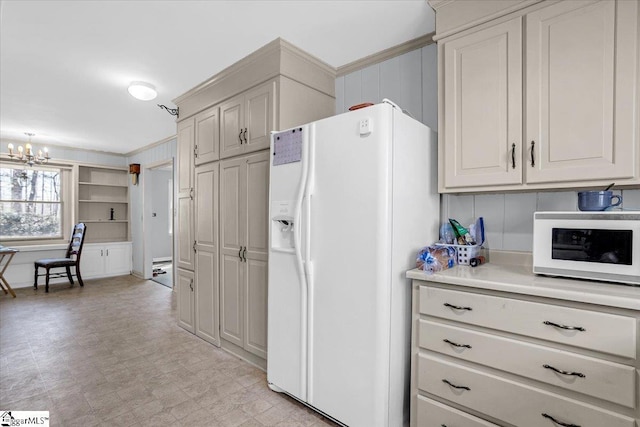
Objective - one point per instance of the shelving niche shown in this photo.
(101, 189)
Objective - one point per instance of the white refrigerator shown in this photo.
(352, 199)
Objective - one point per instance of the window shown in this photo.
(31, 203)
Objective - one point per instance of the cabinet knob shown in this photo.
(513, 156)
(240, 136)
(245, 135)
(191, 284)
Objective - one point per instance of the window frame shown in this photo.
(66, 203)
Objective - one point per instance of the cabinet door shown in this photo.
(185, 138)
(184, 236)
(232, 127)
(232, 215)
(482, 99)
(578, 123)
(117, 259)
(259, 117)
(206, 258)
(207, 138)
(92, 261)
(255, 198)
(185, 290)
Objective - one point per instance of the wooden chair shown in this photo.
(71, 259)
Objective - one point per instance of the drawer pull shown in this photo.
(569, 328)
(560, 423)
(456, 386)
(456, 344)
(575, 374)
(457, 307)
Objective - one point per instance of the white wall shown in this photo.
(410, 80)
(155, 154)
(161, 202)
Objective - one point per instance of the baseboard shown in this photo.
(243, 354)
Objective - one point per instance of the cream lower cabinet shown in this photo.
(105, 259)
(206, 253)
(246, 120)
(544, 99)
(244, 186)
(496, 359)
(185, 289)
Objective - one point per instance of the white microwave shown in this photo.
(588, 245)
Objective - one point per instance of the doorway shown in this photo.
(158, 214)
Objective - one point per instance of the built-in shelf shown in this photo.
(89, 221)
(103, 185)
(103, 192)
(103, 201)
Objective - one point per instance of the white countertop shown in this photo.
(520, 279)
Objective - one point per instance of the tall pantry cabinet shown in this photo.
(223, 177)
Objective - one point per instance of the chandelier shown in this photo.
(27, 154)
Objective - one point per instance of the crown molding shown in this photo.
(149, 146)
(383, 55)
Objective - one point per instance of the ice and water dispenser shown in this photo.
(282, 225)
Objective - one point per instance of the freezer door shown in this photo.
(349, 266)
(286, 346)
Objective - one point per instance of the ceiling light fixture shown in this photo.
(142, 91)
(27, 155)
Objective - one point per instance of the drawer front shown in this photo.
(595, 377)
(580, 328)
(431, 413)
(519, 404)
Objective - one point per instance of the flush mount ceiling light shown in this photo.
(142, 91)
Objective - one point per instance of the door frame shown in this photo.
(147, 257)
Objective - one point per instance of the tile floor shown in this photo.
(111, 354)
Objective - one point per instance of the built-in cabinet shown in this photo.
(246, 121)
(185, 291)
(484, 358)
(223, 179)
(206, 253)
(103, 205)
(244, 189)
(105, 259)
(542, 97)
(185, 242)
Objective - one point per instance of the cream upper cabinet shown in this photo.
(246, 121)
(579, 124)
(243, 261)
(207, 136)
(483, 107)
(545, 97)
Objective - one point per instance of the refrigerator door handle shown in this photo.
(297, 230)
(308, 263)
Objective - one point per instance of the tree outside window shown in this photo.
(30, 203)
